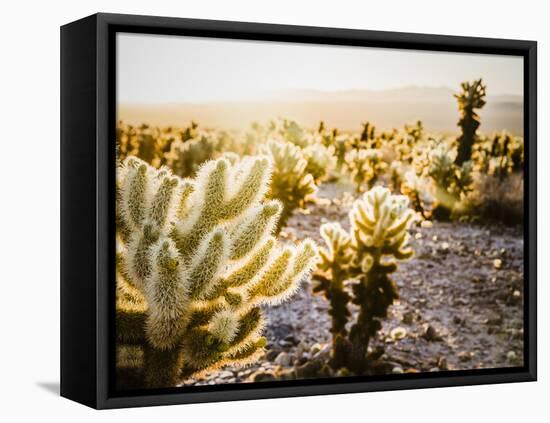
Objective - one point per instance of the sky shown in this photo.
(160, 69)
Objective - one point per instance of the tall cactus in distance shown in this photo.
(195, 262)
(291, 184)
(471, 98)
(367, 255)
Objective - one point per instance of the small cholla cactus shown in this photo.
(196, 261)
(442, 165)
(290, 182)
(294, 133)
(471, 98)
(452, 182)
(185, 157)
(365, 258)
(420, 192)
(148, 143)
(320, 161)
(341, 144)
(366, 166)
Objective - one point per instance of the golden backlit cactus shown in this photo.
(421, 193)
(195, 262)
(364, 258)
(452, 182)
(365, 166)
(291, 184)
(186, 156)
(320, 161)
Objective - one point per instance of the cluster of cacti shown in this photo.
(186, 156)
(364, 258)
(365, 166)
(470, 99)
(290, 182)
(499, 155)
(149, 143)
(195, 263)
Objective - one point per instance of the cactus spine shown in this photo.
(368, 255)
(195, 262)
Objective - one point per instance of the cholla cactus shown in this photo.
(421, 193)
(442, 165)
(294, 133)
(471, 97)
(341, 145)
(452, 182)
(186, 157)
(499, 156)
(195, 263)
(320, 161)
(148, 143)
(290, 182)
(366, 166)
(367, 255)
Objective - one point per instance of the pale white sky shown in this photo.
(153, 69)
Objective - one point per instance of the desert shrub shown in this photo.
(364, 259)
(495, 199)
(195, 263)
(290, 183)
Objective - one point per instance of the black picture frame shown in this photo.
(88, 118)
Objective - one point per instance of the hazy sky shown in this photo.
(175, 69)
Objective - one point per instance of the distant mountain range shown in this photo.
(435, 106)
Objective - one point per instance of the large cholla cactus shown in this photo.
(290, 182)
(367, 255)
(366, 166)
(196, 261)
(471, 97)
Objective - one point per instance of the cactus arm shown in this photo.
(255, 227)
(252, 188)
(167, 296)
(206, 264)
(244, 274)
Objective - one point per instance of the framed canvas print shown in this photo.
(256, 211)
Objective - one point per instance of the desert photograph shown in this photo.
(291, 211)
